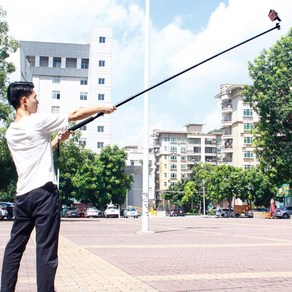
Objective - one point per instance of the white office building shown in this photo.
(68, 76)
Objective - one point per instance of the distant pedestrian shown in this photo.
(37, 202)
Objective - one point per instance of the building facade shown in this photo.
(238, 119)
(176, 152)
(68, 76)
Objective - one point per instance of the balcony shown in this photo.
(226, 109)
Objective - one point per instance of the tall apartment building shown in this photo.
(68, 76)
(176, 152)
(238, 119)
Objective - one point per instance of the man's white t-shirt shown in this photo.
(29, 142)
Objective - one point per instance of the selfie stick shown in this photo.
(90, 119)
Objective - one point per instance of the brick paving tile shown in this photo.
(180, 254)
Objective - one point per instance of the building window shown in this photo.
(56, 79)
(173, 166)
(31, 60)
(71, 63)
(197, 149)
(248, 154)
(101, 80)
(56, 95)
(55, 109)
(100, 145)
(101, 63)
(210, 150)
(183, 149)
(84, 63)
(56, 62)
(173, 175)
(102, 39)
(83, 81)
(173, 157)
(247, 112)
(248, 166)
(100, 129)
(195, 141)
(183, 166)
(248, 126)
(247, 140)
(165, 175)
(83, 128)
(100, 96)
(165, 184)
(83, 95)
(173, 149)
(82, 143)
(44, 61)
(165, 165)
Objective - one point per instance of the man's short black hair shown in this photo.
(17, 90)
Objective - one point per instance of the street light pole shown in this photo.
(145, 195)
(204, 198)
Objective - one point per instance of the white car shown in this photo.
(131, 212)
(3, 211)
(224, 212)
(112, 211)
(91, 212)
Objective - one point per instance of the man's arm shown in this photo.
(83, 113)
(61, 136)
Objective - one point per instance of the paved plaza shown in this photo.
(179, 254)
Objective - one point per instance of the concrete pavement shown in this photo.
(181, 254)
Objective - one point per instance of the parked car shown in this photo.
(10, 209)
(92, 212)
(260, 209)
(178, 212)
(112, 211)
(131, 212)
(283, 212)
(3, 211)
(71, 212)
(224, 212)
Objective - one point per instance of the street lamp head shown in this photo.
(273, 15)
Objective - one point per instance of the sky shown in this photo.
(182, 34)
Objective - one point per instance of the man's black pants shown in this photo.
(39, 208)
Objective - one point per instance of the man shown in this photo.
(37, 202)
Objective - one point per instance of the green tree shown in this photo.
(88, 180)
(7, 46)
(225, 183)
(67, 162)
(257, 188)
(188, 193)
(201, 176)
(271, 97)
(115, 181)
(8, 174)
(175, 193)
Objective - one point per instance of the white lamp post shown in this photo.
(145, 197)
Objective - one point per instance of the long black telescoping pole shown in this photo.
(90, 119)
